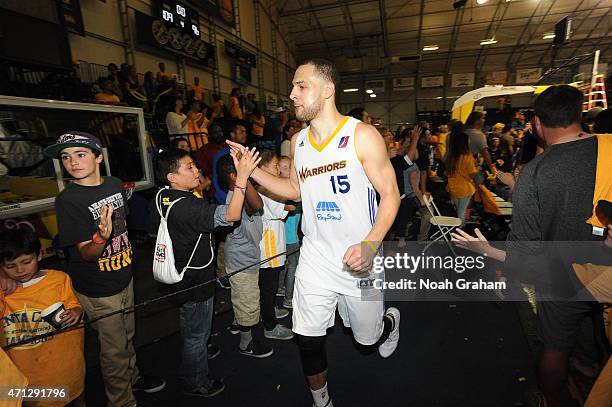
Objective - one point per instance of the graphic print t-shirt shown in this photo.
(55, 361)
(78, 214)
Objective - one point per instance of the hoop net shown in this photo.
(128, 187)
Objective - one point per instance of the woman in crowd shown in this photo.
(461, 169)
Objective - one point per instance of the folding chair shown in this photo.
(445, 225)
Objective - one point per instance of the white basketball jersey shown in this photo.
(339, 206)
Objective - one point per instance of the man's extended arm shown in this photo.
(288, 189)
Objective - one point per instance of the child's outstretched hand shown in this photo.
(71, 316)
(245, 163)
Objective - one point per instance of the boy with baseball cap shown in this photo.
(91, 216)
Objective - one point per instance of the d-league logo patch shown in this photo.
(343, 141)
(160, 253)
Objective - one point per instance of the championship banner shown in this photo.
(462, 80)
(432, 82)
(400, 84)
(531, 75)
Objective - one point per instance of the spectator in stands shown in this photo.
(204, 156)
(113, 71)
(360, 113)
(162, 73)
(181, 143)
(258, 122)
(198, 124)
(250, 104)
(149, 85)
(218, 106)
(273, 130)
(441, 142)
(132, 78)
(460, 169)
(238, 134)
(288, 132)
(107, 95)
(506, 148)
(196, 90)
(392, 145)
(477, 139)
(176, 120)
(236, 109)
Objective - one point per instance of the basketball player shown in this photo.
(339, 165)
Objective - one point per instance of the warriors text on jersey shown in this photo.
(339, 206)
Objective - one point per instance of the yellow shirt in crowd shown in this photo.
(258, 125)
(461, 183)
(198, 92)
(55, 361)
(235, 109)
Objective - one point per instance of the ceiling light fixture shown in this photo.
(548, 36)
(351, 90)
(430, 47)
(373, 95)
(369, 91)
(481, 1)
(488, 41)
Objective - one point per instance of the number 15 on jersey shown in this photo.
(340, 184)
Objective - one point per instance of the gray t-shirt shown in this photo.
(242, 244)
(408, 191)
(477, 140)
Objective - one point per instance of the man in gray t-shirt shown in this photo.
(477, 139)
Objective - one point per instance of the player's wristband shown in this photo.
(97, 239)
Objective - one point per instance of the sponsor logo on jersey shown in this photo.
(304, 173)
(343, 141)
(328, 211)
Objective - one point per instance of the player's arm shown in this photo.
(372, 153)
(287, 189)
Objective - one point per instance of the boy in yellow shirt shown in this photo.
(54, 361)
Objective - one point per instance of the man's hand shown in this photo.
(236, 147)
(359, 258)
(105, 226)
(245, 163)
(478, 243)
(71, 316)
(7, 284)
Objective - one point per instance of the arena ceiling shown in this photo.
(371, 35)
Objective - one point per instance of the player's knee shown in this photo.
(312, 352)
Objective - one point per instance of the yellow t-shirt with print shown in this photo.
(55, 361)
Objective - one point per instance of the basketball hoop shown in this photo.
(128, 187)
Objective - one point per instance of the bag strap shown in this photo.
(158, 204)
(195, 247)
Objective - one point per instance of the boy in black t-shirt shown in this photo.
(190, 224)
(91, 217)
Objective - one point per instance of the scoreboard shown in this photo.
(181, 16)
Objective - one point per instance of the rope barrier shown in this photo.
(142, 304)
